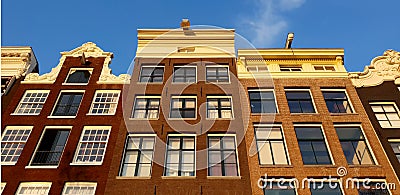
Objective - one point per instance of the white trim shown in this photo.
(267, 90)
(394, 140)
(23, 96)
(387, 103)
(284, 142)
(58, 98)
(194, 152)
(79, 184)
(237, 157)
(78, 147)
(51, 128)
(151, 65)
(218, 66)
(34, 184)
(183, 97)
(131, 117)
(311, 95)
(191, 65)
(3, 185)
(72, 70)
(325, 140)
(375, 160)
(353, 111)
(220, 97)
(104, 91)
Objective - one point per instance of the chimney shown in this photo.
(289, 40)
(185, 24)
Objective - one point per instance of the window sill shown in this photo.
(137, 177)
(90, 114)
(216, 83)
(220, 119)
(365, 166)
(143, 119)
(323, 165)
(86, 164)
(178, 177)
(224, 177)
(22, 114)
(8, 163)
(82, 84)
(150, 83)
(276, 166)
(41, 167)
(316, 113)
(343, 114)
(261, 114)
(182, 119)
(62, 117)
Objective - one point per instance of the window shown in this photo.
(290, 68)
(222, 159)
(50, 148)
(32, 102)
(283, 187)
(387, 114)
(324, 68)
(78, 76)
(337, 101)
(181, 156)
(68, 104)
(138, 156)
(184, 74)
(324, 188)
(262, 101)
(183, 107)
(219, 107)
(92, 145)
(257, 68)
(396, 147)
(152, 74)
(300, 101)
(217, 74)
(3, 185)
(312, 145)
(354, 145)
(270, 145)
(105, 102)
(81, 188)
(146, 107)
(37, 188)
(13, 142)
(372, 187)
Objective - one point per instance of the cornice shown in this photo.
(382, 68)
(17, 61)
(88, 49)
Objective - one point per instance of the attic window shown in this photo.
(257, 69)
(78, 76)
(324, 68)
(290, 68)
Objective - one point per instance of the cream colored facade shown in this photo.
(17, 61)
(305, 59)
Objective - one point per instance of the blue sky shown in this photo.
(365, 29)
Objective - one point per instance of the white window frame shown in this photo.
(312, 99)
(257, 69)
(325, 139)
(48, 128)
(78, 147)
(166, 156)
(394, 141)
(79, 184)
(264, 90)
(33, 184)
(220, 96)
(324, 66)
(25, 93)
(353, 111)
(151, 66)
(24, 142)
(289, 67)
(145, 97)
(3, 185)
(237, 157)
(104, 91)
(284, 142)
(387, 103)
(183, 97)
(123, 156)
(72, 70)
(212, 65)
(374, 159)
(58, 98)
(183, 66)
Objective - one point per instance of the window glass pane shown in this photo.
(321, 152)
(279, 152)
(79, 76)
(308, 133)
(264, 152)
(325, 189)
(307, 153)
(349, 133)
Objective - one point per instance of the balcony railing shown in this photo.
(46, 158)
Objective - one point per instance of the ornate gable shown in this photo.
(382, 68)
(88, 49)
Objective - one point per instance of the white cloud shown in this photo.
(267, 23)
